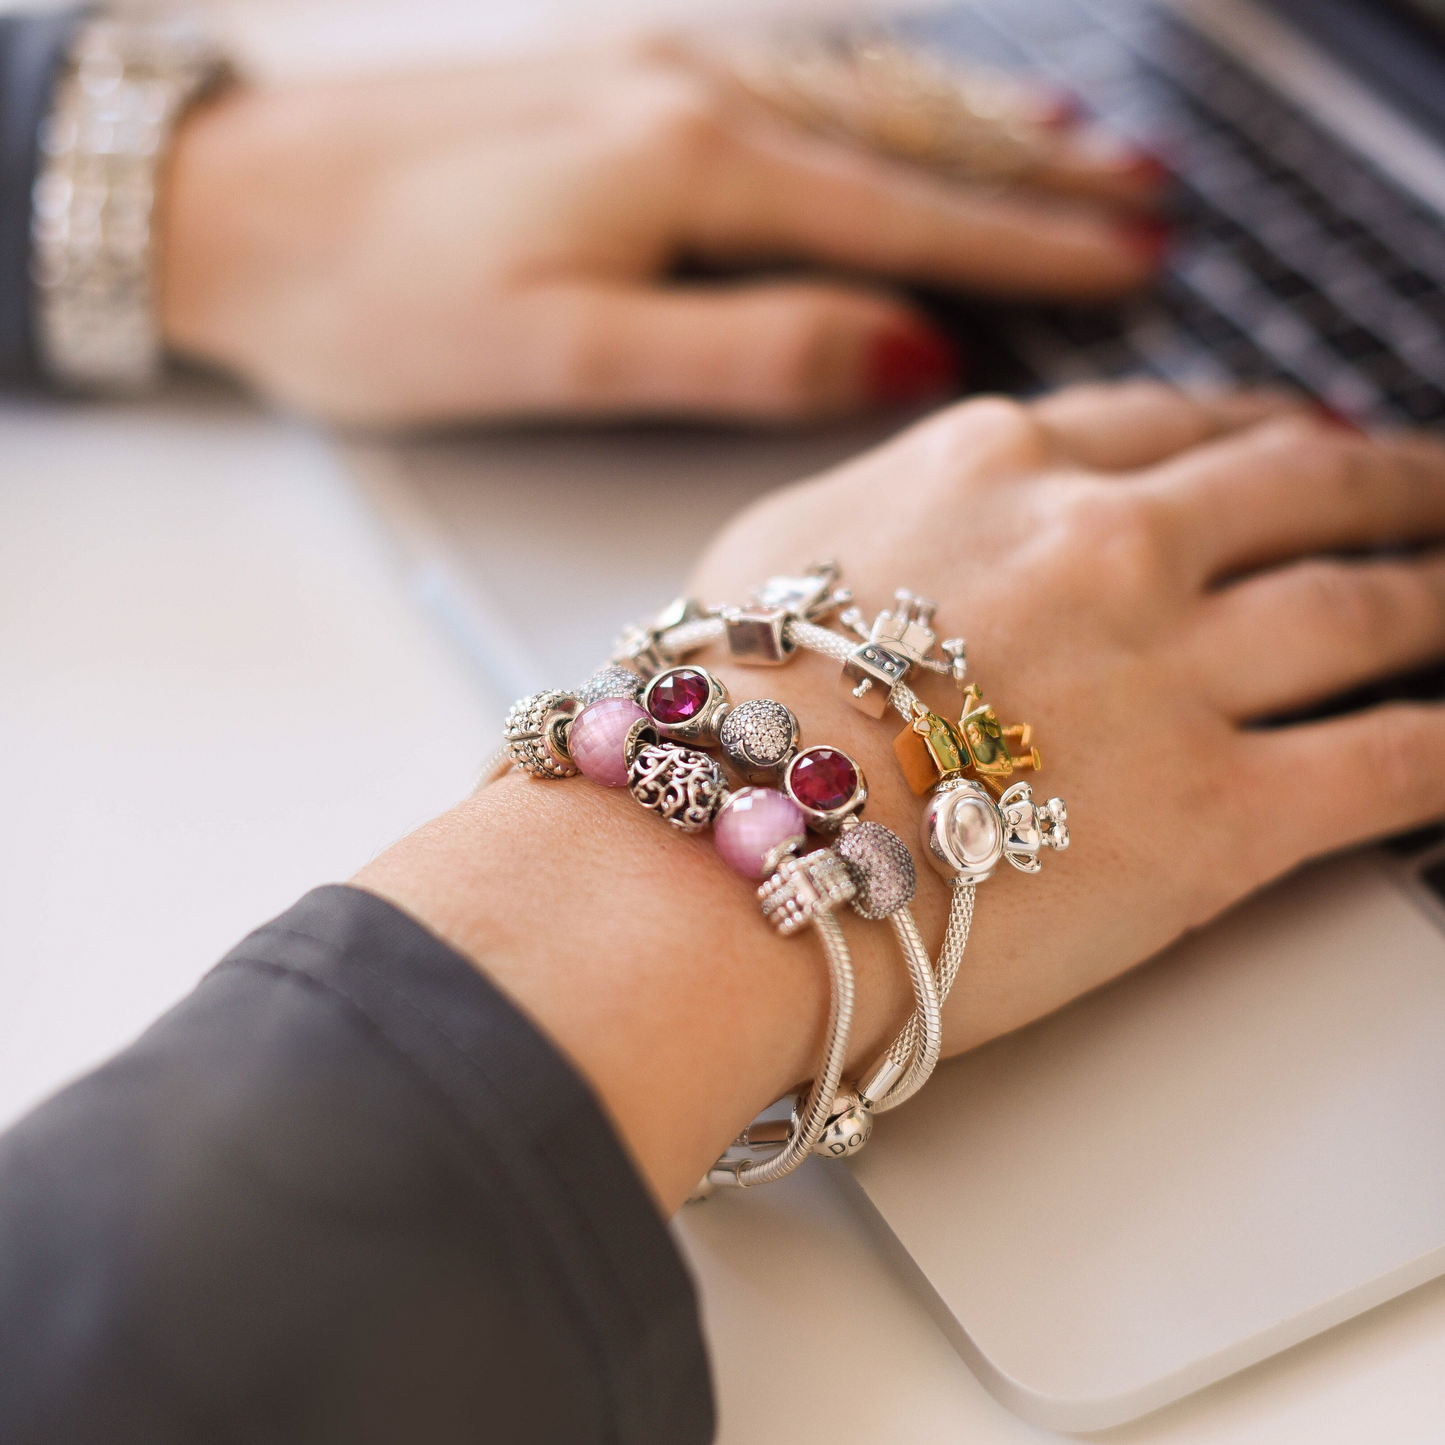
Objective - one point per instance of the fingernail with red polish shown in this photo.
(911, 364)
(1149, 238)
(1148, 170)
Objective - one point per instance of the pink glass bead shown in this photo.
(752, 824)
(599, 733)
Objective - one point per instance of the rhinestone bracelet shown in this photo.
(120, 94)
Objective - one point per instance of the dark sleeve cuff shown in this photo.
(345, 1191)
(31, 48)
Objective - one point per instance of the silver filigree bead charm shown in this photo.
(759, 738)
(880, 866)
(536, 733)
(681, 785)
(1029, 827)
(611, 681)
(804, 887)
(849, 1126)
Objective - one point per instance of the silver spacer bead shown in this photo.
(880, 866)
(804, 887)
(611, 681)
(536, 734)
(759, 738)
(683, 786)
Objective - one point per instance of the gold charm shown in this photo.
(928, 750)
(931, 749)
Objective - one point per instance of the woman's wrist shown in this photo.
(642, 955)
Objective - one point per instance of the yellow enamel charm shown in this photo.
(931, 748)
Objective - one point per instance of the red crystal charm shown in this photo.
(823, 779)
(679, 697)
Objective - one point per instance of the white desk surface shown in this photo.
(217, 689)
(220, 684)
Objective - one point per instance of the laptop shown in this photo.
(1243, 1143)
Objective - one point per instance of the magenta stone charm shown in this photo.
(598, 740)
(687, 704)
(679, 696)
(827, 785)
(751, 824)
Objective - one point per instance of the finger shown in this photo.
(1140, 423)
(1292, 487)
(1088, 162)
(772, 191)
(1354, 779)
(763, 351)
(1288, 638)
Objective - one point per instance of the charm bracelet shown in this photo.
(644, 722)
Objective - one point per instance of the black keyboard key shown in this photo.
(1421, 402)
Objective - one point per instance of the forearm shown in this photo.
(642, 955)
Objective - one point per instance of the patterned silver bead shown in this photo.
(536, 733)
(849, 1126)
(759, 738)
(611, 681)
(683, 786)
(880, 866)
(804, 887)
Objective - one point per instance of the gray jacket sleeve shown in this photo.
(342, 1192)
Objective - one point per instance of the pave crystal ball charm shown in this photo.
(880, 866)
(752, 825)
(611, 681)
(849, 1126)
(687, 704)
(963, 832)
(759, 738)
(536, 734)
(681, 785)
(598, 740)
(827, 785)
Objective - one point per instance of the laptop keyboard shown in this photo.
(1299, 262)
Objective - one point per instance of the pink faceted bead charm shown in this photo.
(598, 738)
(751, 824)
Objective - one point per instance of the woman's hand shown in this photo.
(497, 243)
(1138, 574)
(1143, 577)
